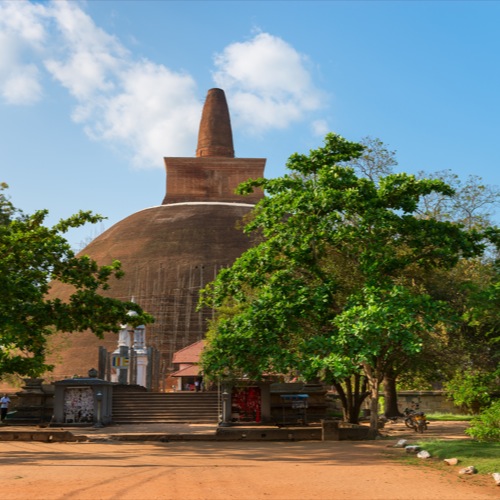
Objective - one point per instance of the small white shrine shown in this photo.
(131, 345)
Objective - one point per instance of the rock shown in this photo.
(412, 449)
(468, 470)
(423, 454)
(496, 478)
(401, 443)
(451, 461)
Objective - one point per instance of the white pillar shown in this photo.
(141, 355)
(124, 343)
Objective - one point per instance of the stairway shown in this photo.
(169, 407)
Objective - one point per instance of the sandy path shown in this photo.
(227, 470)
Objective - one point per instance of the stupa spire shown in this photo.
(215, 137)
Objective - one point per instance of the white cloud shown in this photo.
(320, 128)
(22, 31)
(24, 19)
(89, 59)
(268, 81)
(140, 107)
(144, 109)
(155, 107)
(22, 86)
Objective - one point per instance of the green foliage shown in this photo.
(447, 417)
(335, 283)
(472, 389)
(483, 313)
(383, 323)
(7, 209)
(32, 257)
(486, 426)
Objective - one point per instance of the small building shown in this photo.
(186, 366)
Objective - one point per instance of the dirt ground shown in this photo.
(211, 470)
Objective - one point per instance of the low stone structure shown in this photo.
(336, 430)
(34, 404)
(83, 401)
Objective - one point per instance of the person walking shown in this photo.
(4, 406)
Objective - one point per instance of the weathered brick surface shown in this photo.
(169, 252)
(211, 179)
(215, 137)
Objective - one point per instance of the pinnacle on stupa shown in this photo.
(169, 252)
(215, 137)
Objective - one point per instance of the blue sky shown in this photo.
(94, 94)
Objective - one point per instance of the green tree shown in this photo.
(470, 288)
(472, 389)
(383, 326)
(467, 287)
(32, 256)
(486, 426)
(478, 344)
(7, 209)
(330, 239)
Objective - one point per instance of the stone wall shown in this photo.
(428, 402)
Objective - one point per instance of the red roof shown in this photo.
(190, 354)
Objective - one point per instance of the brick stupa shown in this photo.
(169, 252)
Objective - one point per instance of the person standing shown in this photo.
(4, 406)
(198, 384)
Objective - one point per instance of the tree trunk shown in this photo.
(374, 380)
(352, 392)
(390, 397)
(374, 385)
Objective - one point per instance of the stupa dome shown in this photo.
(170, 251)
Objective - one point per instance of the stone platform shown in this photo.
(180, 432)
(159, 432)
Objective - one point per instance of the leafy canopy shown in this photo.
(32, 256)
(330, 286)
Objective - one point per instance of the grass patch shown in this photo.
(484, 456)
(448, 417)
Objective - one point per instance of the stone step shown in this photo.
(142, 420)
(163, 408)
(166, 402)
(179, 394)
(145, 407)
(161, 418)
(164, 414)
(172, 402)
(131, 405)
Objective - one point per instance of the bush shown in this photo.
(471, 389)
(486, 426)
